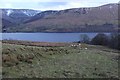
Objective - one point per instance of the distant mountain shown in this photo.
(14, 17)
(18, 15)
(27, 12)
(92, 19)
(41, 15)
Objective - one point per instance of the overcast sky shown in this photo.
(52, 4)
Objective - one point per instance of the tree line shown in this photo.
(112, 40)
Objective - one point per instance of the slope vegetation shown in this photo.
(68, 61)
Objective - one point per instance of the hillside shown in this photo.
(14, 17)
(94, 19)
(64, 61)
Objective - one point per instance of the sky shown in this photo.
(52, 4)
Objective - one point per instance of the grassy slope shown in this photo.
(59, 62)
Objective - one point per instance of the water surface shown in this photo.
(46, 37)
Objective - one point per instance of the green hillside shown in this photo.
(68, 61)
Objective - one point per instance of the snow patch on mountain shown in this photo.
(27, 12)
(110, 6)
(30, 13)
(9, 12)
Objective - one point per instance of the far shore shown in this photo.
(39, 44)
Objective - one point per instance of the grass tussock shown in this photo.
(70, 61)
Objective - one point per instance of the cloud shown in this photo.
(11, 1)
(52, 4)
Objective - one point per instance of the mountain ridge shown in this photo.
(104, 18)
